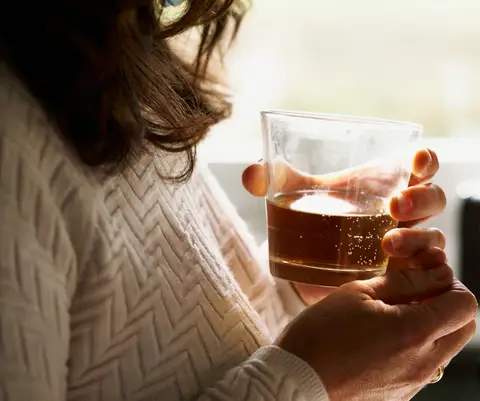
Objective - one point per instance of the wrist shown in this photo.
(299, 293)
(311, 294)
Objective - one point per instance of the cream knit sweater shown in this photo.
(129, 288)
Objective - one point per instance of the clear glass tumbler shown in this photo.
(330, 181)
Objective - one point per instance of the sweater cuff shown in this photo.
(299, 371)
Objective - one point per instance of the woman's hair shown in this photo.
(107, 73)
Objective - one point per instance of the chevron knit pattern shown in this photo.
(129, 288)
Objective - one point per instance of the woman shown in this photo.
(126, 273)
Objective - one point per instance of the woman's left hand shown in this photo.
(420, 201)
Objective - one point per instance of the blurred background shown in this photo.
(413, 60)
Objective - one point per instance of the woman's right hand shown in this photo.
(384, 339)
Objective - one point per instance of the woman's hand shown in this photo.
(386, 338)
(414, 205)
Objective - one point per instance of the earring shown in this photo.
(172, 3)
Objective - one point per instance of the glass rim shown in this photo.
(340, 118)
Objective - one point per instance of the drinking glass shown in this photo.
(330, 182)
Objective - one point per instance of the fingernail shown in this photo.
(426, 169)
(429, 157)
(405, 204)
(396, 241)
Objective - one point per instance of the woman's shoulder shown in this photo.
(24, 124)
(30, 141)
(36, 166)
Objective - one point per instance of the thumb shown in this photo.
(406, 285)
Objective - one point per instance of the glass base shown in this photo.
(323, 276)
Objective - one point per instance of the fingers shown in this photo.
(255, 176)
(433, 355)
(404, 242)
(418, 202)
(425, 166)
(441, 315)
(255, 179)
(428, 259)
(405, 285)
(447, 347)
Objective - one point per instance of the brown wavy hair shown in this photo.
(110, 75)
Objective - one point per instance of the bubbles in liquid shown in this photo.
(326, 231)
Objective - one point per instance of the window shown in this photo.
(414, 60)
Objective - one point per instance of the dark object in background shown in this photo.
(470, 243)
(470, 246)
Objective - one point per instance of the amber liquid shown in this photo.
(322, 238)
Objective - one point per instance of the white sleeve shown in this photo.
(269, 374)
(37, 280)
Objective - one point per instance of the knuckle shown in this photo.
(465, 302)
(469, 331)
(472, 329)
(438, 277)
(446, 273)
(468, 302)
(471, 303)
(421, 373)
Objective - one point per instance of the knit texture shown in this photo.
(128, 287)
